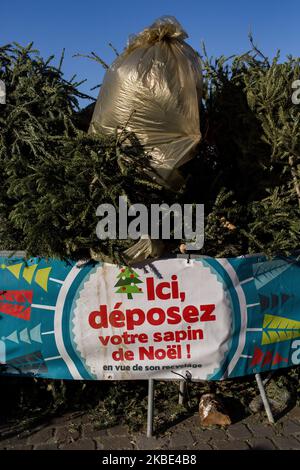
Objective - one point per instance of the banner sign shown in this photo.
(212, 318)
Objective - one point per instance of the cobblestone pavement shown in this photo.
(77, 432)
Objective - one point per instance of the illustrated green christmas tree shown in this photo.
(127, 282)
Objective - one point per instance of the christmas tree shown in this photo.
(128, 279)
(54, 172)
(54, 175)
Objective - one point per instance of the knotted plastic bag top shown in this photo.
(164, 28)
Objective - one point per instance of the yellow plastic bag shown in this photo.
(154, 89)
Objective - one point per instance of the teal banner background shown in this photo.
(37, 299)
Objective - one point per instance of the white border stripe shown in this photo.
(52, 358)
(43, 307)
(243, 306)
(59, 281)
(246, 280)
(58, 323)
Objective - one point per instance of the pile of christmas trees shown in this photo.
(54, 175)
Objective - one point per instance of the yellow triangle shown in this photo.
(29, 272)
(41, 278)
(15, 269)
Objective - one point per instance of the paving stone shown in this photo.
(76, 421)
(89, 431)
(261, 430)
(193, 420)
(66, 433)
(183, 426)
(6, 443)
(187, 434)
(176, 447)
(27, 433)
(216, 434)
(200, 436)
(261, 444)
(115, 443)
(181, 440)
(287, 443)
(21, 447)
(180, 427)
(51, 446)
(66, 419)
(58, 421)
(239, 431)
(119, 430)
(61, 434)
(62, 420)
(291, 427)
(253, 418)
(74, 434)
(44, 435)
(201, 446)
(99, 445)
(81, 444)
(148, 443)
(295, 413)
(230, 445)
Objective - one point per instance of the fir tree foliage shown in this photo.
(54, 175)
(251, 154)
